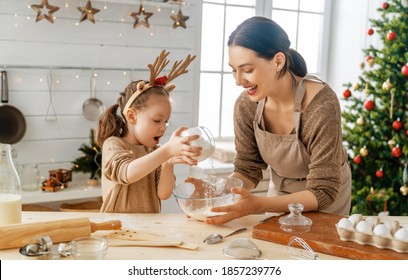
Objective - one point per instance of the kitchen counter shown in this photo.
(176, 226)
(73, 192)
(166, 225)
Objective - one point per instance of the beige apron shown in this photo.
(289, 160)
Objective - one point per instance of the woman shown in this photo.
(285, 119)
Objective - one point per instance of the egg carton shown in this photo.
(370, 238)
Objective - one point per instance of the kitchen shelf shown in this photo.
(73, 192)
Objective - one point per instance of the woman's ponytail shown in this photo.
(297, 64)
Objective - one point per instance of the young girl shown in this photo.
(136, 172)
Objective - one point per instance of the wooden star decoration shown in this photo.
(144, 14)
(40, 15)
(88, 12)
(179, 20)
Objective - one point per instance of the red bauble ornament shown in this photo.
(369, 105)
(370, 31)
(391, 35)
(406, 132)
(368, 57)
(396, 152)
(379, 173)
(385, 5)
(357, 159)
(397, 125)
(404, 70)
(347, 93)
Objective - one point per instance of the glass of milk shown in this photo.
(206, 141)
(10, 188)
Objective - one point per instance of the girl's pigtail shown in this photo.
(110, 124)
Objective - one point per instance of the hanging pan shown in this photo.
(12, 121)
(93, 108)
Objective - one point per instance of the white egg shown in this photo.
(392, 225)
(355, 218)
(382, 230)
(373, 221)
(383, 214)
(364, 227)
(401, 234)
(345, 223)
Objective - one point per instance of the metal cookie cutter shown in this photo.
(43, 248)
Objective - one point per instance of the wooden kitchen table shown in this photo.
(176, 226)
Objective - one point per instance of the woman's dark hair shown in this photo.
(266, 38)
(112, 124)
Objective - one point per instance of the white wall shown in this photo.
(29, 49)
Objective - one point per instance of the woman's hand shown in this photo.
(200, 191)
(247, 204)
(200, 187)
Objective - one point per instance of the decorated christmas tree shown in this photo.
(375, 117)
(90, 162)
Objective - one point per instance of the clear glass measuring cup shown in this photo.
(206, 141)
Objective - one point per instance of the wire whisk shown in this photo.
(51, 114)
(299, 249)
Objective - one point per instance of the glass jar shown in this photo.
(206, 141)
(29, 177)
(10, 188)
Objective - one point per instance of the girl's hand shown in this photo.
(182, 160)
(246, 205)
(179, 146)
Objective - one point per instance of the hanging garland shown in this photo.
(88, 13)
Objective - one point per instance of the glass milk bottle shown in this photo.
(10, 188)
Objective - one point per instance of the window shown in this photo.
(305, 22)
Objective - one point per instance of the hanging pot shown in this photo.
(12, 121)
(93, 108)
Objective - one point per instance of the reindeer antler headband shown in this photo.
(179, 68)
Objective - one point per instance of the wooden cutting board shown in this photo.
(138, 238)
(323, 238)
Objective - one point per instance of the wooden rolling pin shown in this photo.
(18, 235)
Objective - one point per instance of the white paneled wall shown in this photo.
(68, 50)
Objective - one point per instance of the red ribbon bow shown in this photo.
(160, 81)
